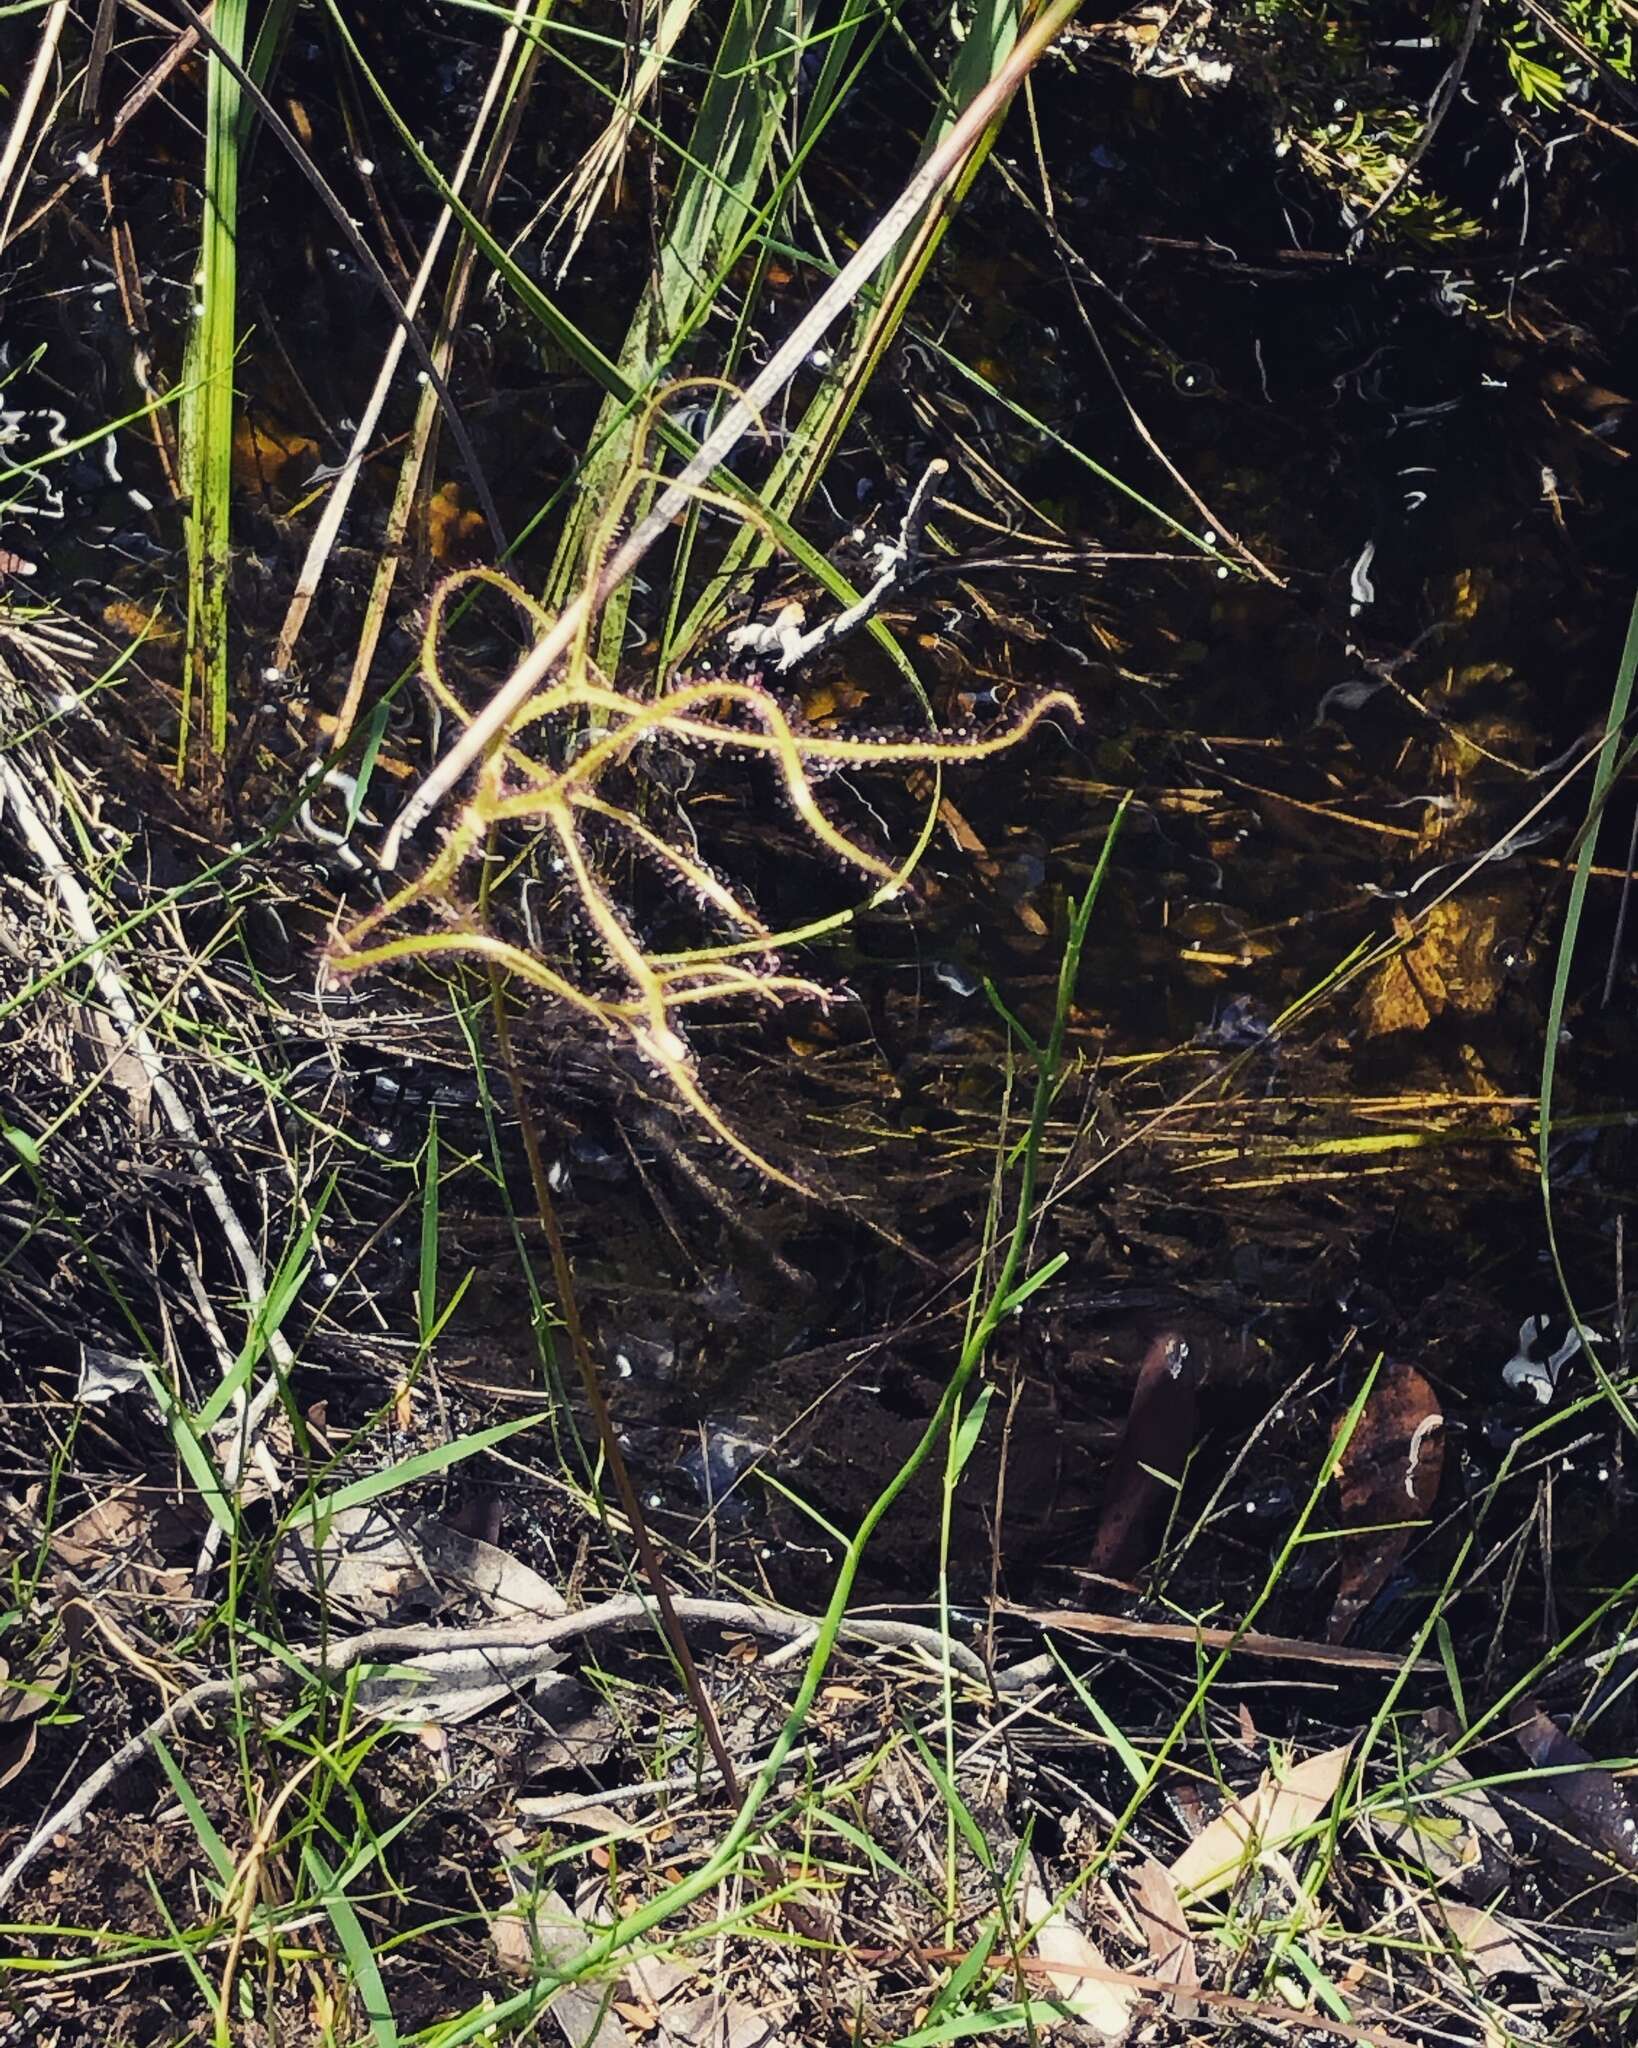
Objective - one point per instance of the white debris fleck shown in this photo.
(1424, 1429)
(1360, 587)
(1539, 1376)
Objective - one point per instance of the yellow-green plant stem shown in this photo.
(1609, 756)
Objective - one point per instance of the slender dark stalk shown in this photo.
(591, 1381)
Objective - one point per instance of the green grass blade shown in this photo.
(363, 1969)
(198, 1819)
(421, 1466)
(426, 1295)
(207, 405)
(1603, 778)
(734, 134)
(283, 1290)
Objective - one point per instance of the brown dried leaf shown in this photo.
(1599, 1810)
(27, 1693)
(543, 1933)
(1389, 1473)
(16, 1750)
(1166, 1931)
(114, 1542)
(362, 1559)
(714, 2021)
(1153, 1450)
(1489, 1944)
(1452, 1830)
(374, 1561)
(126, 1068)
(1269, 1818)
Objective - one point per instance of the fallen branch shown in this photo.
(511, 1652)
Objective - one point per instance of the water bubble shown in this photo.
(1514, 956)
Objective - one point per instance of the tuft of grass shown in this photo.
(1012, 1283)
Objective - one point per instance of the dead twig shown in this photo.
(18, 144)
(1250, 1642)
(513, 1652)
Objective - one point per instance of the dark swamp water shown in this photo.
(1428, 454)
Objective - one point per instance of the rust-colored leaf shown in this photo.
(1148, 1464)
(1387, 1481)
(1166, 1930)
